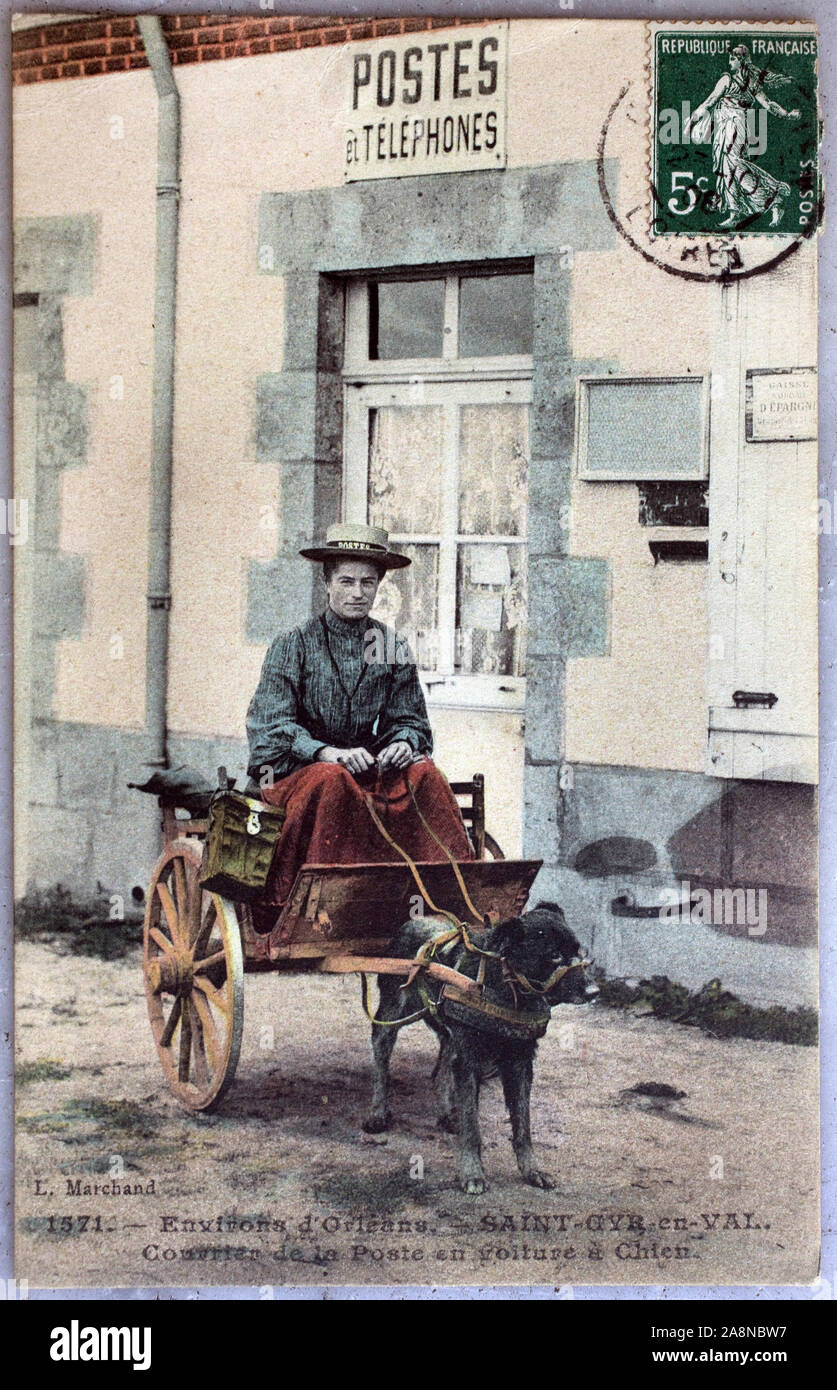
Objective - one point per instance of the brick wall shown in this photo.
(88, 47)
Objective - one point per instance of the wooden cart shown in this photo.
(198, 945)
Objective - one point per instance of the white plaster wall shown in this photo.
(469, 741)
(248, 125)
(67, 163)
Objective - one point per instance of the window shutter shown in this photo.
(763, 538)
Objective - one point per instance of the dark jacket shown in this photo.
(334, 682)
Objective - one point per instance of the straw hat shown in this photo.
(350, 540)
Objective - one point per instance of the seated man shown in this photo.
(339, 711)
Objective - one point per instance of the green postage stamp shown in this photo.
(734, 131)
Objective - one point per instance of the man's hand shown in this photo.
(355, 760)
(398, 754)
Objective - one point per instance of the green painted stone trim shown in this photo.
(541, 213)
(54, 257)
(486, 215)
(568, 596)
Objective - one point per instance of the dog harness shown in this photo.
(466, 1003)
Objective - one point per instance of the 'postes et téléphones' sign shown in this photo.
(430, 103)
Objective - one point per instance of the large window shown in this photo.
(438, 385)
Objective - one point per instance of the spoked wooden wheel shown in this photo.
(194, 979)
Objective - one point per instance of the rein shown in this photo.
(491, 1017)
(443, 847)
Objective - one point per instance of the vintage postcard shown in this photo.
(415, 564)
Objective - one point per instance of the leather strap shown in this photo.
(487, 1016)
(459, 926)
(439, 911)
(475, 913)
(529, 988)
(383, 1022)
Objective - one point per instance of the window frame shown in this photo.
(358, 364)
(451, 383)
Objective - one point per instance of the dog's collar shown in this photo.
(515, 979)
(486, 1016)
(516, 976)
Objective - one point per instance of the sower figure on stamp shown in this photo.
(339, 712)
(743, 189)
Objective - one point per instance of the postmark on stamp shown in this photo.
(734, 131)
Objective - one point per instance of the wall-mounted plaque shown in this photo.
(781, 405)
(636, 429)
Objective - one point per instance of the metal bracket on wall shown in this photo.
(678, 550)
(623, 907)
(754, 699)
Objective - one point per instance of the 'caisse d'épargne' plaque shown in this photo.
(426, 104)
(781, 405)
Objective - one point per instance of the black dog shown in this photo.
(525, 952)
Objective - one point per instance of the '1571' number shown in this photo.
(72, 1225)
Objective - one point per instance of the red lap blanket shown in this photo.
(328, 821)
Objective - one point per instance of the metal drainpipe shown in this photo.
(159, 542)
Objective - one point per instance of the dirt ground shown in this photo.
(281, 1187)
